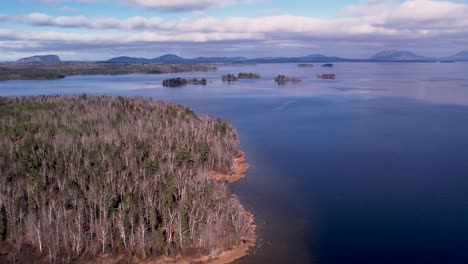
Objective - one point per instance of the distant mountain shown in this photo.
(308, 58)
(461, 56)
(170, 58)
(128, 59)
(218, 59)
(398, 55)
(383, 56)
(40, 59)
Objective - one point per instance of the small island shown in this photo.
(250, 75)
(326, 76)
(305, 65)
(242, 75)
(230, 77)
(88, 179)
(281, 79)
(328, 65)
(177, 82)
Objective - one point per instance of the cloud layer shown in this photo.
(414, 23)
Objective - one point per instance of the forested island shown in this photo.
(248, 75)
(50, 71)
(242, 75)
(281, 79)
(114, 179)
(330, 76)
(230, 77)
(175, 82)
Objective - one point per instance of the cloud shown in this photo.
(370, 26)
(430, 20)
(413, 14)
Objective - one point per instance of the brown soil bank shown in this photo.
(239, 170)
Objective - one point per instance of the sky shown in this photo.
(102, 29)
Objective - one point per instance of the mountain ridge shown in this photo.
(383, 56)
(399, 55)
(460, 56)
(40, 59)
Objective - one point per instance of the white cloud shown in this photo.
(412, 14)
(376, 24)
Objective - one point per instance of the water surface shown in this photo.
(369, 168)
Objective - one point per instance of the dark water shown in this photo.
(370, 168)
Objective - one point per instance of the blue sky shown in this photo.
(100, 29)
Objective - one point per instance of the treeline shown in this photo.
(281, 79)
(248, 75)
(242, 75)
(175, 82)
(47, 71)
(83, 176)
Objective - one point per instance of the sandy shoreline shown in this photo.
(239, 170)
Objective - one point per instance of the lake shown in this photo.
(369, 168)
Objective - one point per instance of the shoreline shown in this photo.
(239, 170)
(240, 250)
(56, 71)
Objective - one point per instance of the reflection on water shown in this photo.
(369, 168)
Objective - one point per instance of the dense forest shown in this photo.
(85, 176)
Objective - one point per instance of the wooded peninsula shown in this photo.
(108, 179)
(50, 71)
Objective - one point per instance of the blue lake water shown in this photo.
(369, 168)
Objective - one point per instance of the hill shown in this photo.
(83, 177)
(40, 59)
(308, 58)
(128, 59)
(461, 56)
(398, 55)
(170, 58)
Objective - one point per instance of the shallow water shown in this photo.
(369, 168)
